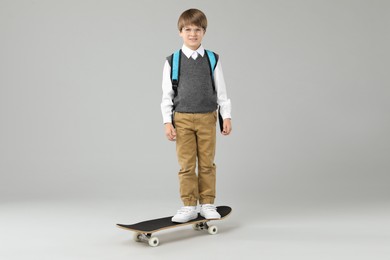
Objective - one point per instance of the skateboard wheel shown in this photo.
(153, 241)
(136, 237)
(212, 230)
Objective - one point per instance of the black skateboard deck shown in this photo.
(144, 230)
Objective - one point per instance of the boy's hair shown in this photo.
(192, 17)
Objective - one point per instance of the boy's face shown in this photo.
(192, 36)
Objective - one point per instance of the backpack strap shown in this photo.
(212, 61)
(175, 68)
(212, 58)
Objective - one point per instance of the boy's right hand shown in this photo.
(170, 132)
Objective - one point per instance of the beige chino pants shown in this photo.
(195, 146)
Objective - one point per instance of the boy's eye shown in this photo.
(196, 30)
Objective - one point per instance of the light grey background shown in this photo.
(81, 130)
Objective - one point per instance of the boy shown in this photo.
(193, 109)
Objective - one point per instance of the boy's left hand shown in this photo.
(227, 126)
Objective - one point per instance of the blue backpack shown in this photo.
(175, 76)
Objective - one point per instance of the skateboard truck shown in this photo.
(146, 237)
(204, 226)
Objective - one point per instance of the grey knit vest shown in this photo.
(195, 93)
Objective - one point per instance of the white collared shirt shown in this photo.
(219, 82)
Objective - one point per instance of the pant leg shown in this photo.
(186, 149)
(206, 142)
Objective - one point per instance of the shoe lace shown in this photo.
(184, 210)
(209, 207)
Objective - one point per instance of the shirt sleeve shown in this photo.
(222, 98)
(167, 96)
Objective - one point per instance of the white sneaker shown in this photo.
(185, 214)
(209, 211)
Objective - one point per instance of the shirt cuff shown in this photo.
(167, 119)
(226, 115)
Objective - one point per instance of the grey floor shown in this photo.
(85, 229)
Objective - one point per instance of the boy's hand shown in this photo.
(227, 126)
(170, 132)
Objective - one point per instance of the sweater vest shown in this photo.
(195, 93)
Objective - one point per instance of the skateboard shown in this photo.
(145, 229)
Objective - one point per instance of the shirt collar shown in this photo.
(188, 52)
